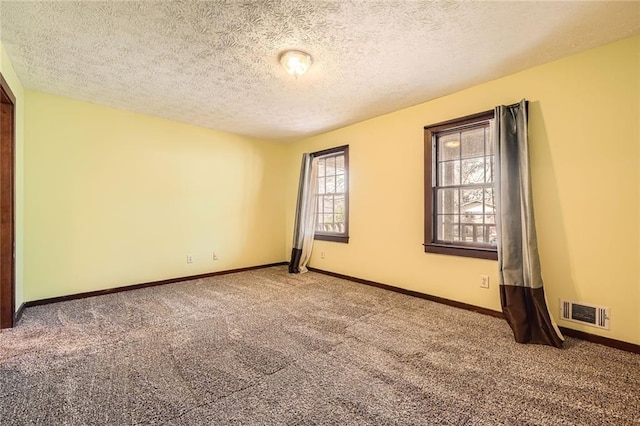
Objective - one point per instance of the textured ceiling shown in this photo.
(215, 64)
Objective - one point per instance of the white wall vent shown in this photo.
(583, 313)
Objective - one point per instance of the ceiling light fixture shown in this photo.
(295, 62)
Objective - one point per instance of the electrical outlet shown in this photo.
(215, 256)
(189, 258)
(485, 281)
(321, 255)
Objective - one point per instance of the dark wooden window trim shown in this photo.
(344, 237)
(7, 219)
(430, 246)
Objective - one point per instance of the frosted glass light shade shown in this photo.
(296, 62)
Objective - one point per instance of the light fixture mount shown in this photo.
(295, 62)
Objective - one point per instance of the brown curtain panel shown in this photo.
(521, 286)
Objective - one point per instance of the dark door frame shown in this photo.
(7, 220)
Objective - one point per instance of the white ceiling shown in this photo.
(215, 64)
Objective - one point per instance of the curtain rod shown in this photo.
(516, 104)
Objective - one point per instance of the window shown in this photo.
(459, 199)
(332, 223)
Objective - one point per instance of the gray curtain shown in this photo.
(304, 228)
(521, 288)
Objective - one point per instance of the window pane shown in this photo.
(340, 183)
(328, 205)
(472, 218)
(331, 184)
(472, 171)
(473, 230)
(491, 235)
(447, 227)
(319, 205)
(328, 219)
(340, 164)
(320, 167)
(490, 219)
(470, 233)
(489, 205)
(448, 201)
(449, 173)
(473, 142)
(330, 166)
(338, 204)
(471, 200)
(449, 146)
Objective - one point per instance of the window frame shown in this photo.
(333, 236)
(431, 245)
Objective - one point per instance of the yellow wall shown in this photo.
(114, 198)
(9, 74)
(584, 137)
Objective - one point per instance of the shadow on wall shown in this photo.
(552, 237)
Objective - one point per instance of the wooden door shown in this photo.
(7, 243)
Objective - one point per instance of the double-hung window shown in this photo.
(459, 196)
(332, 195)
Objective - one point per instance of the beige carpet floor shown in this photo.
(268, 348)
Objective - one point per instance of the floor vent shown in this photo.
(594, 315)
